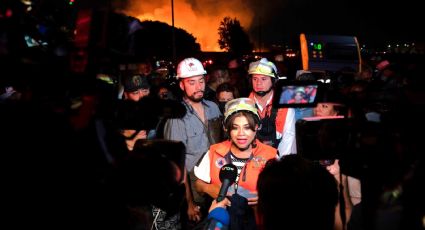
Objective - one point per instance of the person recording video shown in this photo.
(324, 139)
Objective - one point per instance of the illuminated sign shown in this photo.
(317, 46)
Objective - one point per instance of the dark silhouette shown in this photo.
(233, 37)
(155, 40)
(294, 193)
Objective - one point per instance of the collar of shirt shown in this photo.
(189, 106)
(258, 104)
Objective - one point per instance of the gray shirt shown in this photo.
(192, 131)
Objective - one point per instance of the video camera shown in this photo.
(323, 140)
(153, 174)
(319, 139)
(146, 113)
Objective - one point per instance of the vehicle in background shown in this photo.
(330, 53)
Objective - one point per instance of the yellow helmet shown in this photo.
(263, 67)
(240, 104)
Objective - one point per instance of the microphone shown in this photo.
(228, 174)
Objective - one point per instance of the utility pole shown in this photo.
(173, 33)
(260, 42)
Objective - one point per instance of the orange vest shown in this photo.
(249, 174)
(280, 116)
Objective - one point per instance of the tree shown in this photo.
(233, 37)
(154, 39)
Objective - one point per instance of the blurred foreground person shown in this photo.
(147, 187)
(294, 193)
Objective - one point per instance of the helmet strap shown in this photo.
(263, 93)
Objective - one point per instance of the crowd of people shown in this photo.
(149, 151)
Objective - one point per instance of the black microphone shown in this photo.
(228, 174)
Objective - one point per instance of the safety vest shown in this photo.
(272, 120)
(219, 156)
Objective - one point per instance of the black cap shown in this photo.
(134, 82)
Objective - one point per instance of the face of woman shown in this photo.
(298, 96)
(225, 96)
(325, 109)
(241, 134)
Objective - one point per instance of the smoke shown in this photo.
(201, 18)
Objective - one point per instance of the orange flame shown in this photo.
(201, 18)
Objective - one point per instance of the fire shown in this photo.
(201, 18)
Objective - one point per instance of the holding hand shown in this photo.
(194, 212)
(222, 204)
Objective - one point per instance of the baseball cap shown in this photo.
(135, 82)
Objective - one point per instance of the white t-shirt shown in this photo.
(202, 172)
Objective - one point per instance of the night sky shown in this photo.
(281, 21)
(371, 21)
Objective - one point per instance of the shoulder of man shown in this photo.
(212, 107)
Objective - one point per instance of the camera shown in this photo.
(323, 140)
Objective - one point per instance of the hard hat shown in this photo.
(300, 90)
(190, 67)
(240, 104)
(263, 67)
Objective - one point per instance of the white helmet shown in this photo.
(190, 67)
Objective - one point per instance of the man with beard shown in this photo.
(277, 125)
(196, 129)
